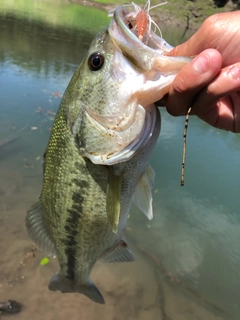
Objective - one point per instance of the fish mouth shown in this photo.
(125, 19)
(123, 31)
(149, 131)
(146, 54)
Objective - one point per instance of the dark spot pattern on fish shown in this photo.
(80, 183)
(72, 227)
(80, 141)
(74, 218)
(70, 242)
(97, 175)
(77, 202)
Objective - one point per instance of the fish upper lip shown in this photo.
(118, 16)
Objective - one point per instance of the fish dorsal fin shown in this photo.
(120, 254)
(143, 192)
(37, 230)
(113, 199)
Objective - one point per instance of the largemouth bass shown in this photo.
(97, 157)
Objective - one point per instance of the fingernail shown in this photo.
(235, 72)
(200, 64)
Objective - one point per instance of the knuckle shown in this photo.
(215, 25)
(213, 21)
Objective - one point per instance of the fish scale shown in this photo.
(71, 213)
(96, 161)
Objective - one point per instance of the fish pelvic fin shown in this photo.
(37, 230)
(143, 192)
(113, 199)
(61, 283)
(119, 254)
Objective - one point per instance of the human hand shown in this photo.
(210, 83)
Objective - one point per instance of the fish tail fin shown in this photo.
(61, 283)
(91, 291)
(64, 284)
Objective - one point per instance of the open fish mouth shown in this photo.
(124, 23)
(147, 53)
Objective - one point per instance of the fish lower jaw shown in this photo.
(153, 91)
(134, 147)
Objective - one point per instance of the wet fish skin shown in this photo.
(96, 159)
(70, 219)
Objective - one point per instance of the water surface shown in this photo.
(187, 257)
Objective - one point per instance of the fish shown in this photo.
(97, 158)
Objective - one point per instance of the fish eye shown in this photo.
(95, 61)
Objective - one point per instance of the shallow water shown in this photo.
(187, 257)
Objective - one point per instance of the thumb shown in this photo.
(191, 79)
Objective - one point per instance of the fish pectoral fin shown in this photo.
(120, 254)
(143, 192)
(64, 284)
(37, 229)
(113, 199)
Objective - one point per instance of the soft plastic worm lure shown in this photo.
(185, 145)
(141, 19)
(142, 23)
